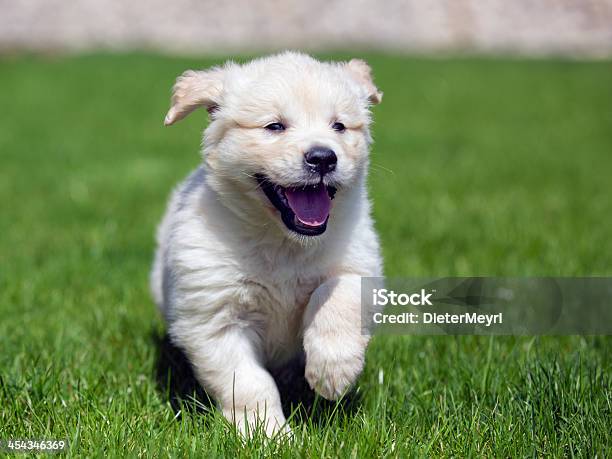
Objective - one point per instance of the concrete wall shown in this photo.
(570, 27)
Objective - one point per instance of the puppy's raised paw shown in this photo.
(332, 367)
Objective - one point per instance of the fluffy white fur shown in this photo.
(240, 291)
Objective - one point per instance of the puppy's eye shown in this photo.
(338, 127)
(275, 127)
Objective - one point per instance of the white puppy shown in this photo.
(262, 248)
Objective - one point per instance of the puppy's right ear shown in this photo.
(195, 89)
(362, 73)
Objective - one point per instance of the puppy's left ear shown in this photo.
(362, 73)
(194, 89)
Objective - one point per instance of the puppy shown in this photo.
(261, 250)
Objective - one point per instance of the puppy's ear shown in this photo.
(362, 73)
(195, 89)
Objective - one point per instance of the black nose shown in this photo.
(321, 160)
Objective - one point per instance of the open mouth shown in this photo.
(304, 209)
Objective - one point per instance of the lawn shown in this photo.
(479, 167)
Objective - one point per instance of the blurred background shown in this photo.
(534, 27)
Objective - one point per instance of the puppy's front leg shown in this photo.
(228, 365)
(333, 340)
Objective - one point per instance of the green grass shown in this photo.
(480, 167)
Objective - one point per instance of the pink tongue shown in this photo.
(310, 204)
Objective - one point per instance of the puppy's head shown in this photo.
(287, 135)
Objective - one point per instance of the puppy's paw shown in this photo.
(272, 424)
(333, 365)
